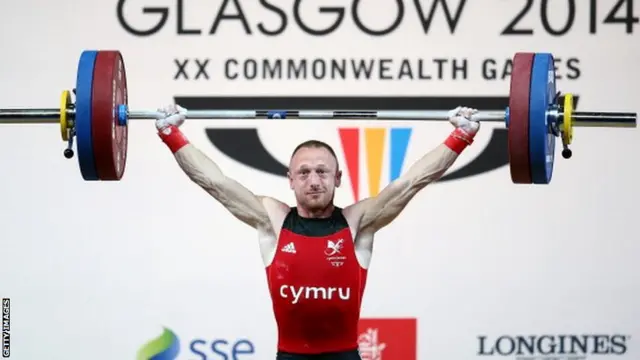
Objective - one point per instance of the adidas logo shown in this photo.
(289, 248)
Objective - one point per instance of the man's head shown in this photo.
(314, 174)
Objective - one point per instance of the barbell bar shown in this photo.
(579, 119)
(99, 117)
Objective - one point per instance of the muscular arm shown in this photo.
(240, 201)
(377, 212)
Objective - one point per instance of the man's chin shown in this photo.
(316, 205)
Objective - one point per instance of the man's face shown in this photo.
(313, 177)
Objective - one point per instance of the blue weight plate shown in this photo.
(542, 142)
(84, 137)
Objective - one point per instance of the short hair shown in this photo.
(315, 144)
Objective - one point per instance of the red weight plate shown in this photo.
(518, 139)
(109, 138)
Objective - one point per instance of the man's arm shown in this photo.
(377, 212)
(240, 201)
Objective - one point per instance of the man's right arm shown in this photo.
(240, 201)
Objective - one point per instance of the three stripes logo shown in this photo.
(376, 140)
(289, 248)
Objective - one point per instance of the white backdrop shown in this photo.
(97, 269)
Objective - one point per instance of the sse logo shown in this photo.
(167, 347)
(245, 146)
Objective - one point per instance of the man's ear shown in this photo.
(338, 178)
(290, 180)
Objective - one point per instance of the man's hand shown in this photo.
(460, 117)
(170, 115)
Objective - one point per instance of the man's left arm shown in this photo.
(379, 211)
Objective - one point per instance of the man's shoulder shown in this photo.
(358, 208)
(276, 210)
(274, 203)
(353, 213)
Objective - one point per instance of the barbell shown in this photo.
(99, 115)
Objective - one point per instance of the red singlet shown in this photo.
(316, 285)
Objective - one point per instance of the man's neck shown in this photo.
(317, 214)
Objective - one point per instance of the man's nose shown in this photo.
(314, 179)
(314, 182)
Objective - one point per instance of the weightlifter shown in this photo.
(316, 254)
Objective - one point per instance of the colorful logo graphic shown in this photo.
(382, 339)
(164, 347)
(375, 143)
